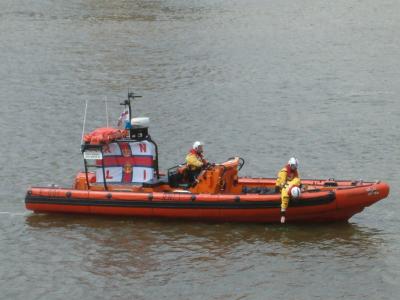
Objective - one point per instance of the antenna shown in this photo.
(105, 99)
(84, 121)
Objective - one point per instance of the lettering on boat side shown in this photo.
(372, 191)
(168, 197)
(92, 154)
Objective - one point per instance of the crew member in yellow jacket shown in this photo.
(195, 160)
(288, 184)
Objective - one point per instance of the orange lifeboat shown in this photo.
(122, 178)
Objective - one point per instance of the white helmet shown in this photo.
(196, 144)
(295, 192)
(293, 162)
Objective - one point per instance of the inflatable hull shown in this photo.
(336, 204)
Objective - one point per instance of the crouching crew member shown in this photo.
(288, 184)
(195, 161)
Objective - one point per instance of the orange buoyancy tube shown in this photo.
(104, 135)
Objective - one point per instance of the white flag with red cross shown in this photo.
(127, 162)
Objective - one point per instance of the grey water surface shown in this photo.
(264, 80)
